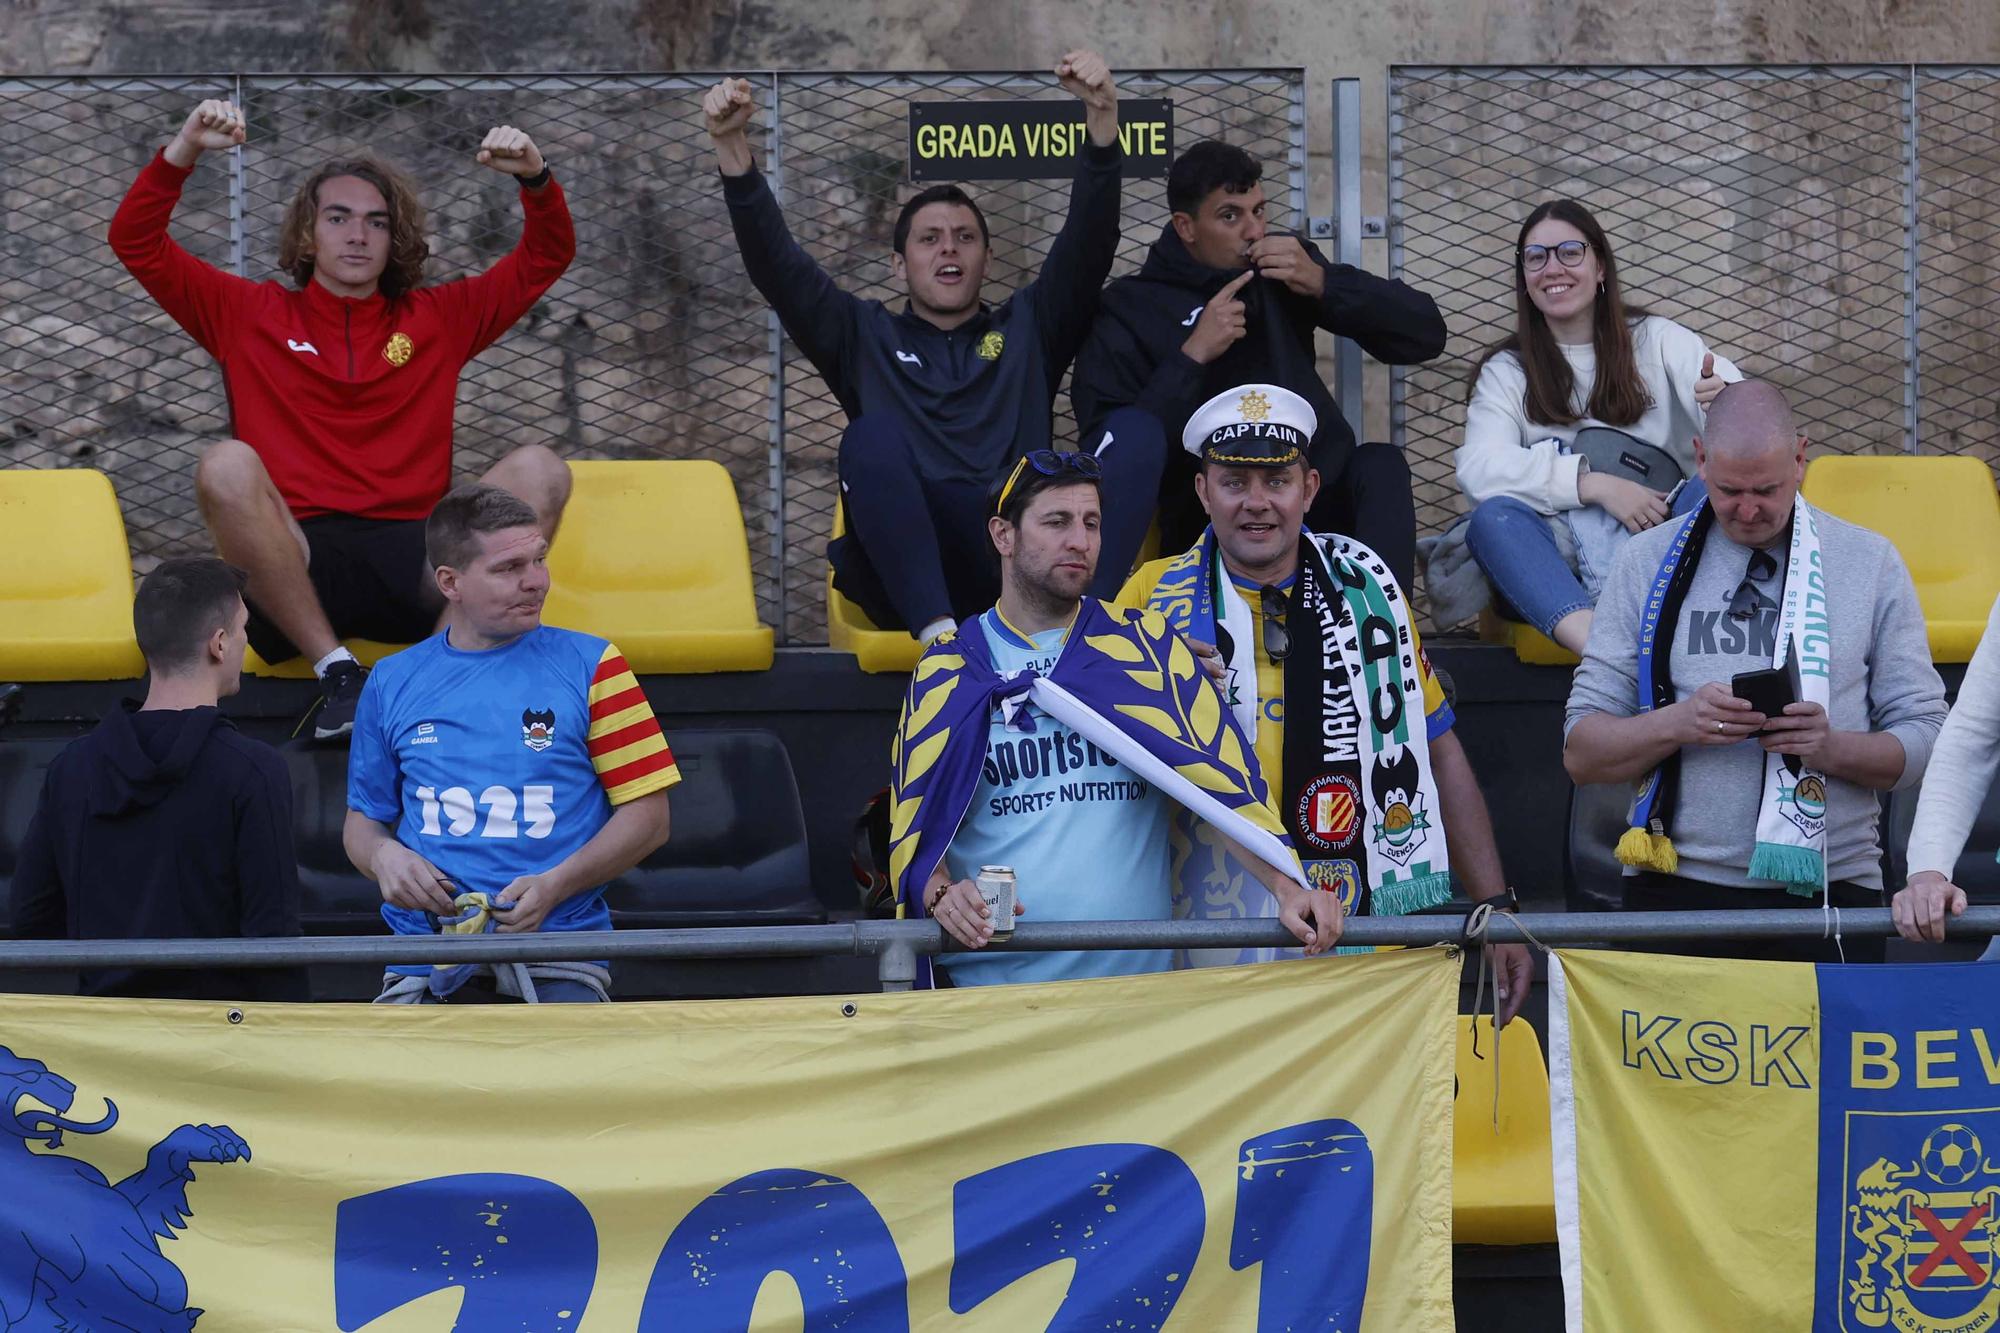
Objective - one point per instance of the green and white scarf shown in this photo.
(1357, 795)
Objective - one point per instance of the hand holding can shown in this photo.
(996, 890)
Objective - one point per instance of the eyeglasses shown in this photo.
(1050, 463)
(1535, 258)
(1744, 602)
(1277, 635)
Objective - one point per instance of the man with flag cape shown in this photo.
(1057, 735)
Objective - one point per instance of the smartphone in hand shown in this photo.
(1768, 690)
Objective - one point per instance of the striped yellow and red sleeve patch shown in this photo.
(626, 747)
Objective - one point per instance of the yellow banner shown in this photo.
(1776, 1146)
(1245, 1148)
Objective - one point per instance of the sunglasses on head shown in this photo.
(1050, 463)
(1535, 258)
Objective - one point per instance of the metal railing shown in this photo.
(896, 945)
(1828, 227)
(653, 345)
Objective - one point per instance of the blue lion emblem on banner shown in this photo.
(1922, 1238)
(76, 1251)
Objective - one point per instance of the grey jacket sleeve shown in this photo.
(1905, 695)
(1607, 681)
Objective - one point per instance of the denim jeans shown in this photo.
(1516, 548)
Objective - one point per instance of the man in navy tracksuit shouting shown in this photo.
(946, 395)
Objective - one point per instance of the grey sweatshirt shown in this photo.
(1883, 680)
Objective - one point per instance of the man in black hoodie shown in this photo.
(944, 396)
(165, 822)
(1223, 301)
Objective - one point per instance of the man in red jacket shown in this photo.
(341, 392)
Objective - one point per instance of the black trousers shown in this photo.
(1650, 891)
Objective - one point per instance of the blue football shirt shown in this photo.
(1086, 836)
(501, 763)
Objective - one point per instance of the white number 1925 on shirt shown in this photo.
(459, 811)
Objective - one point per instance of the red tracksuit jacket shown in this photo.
(349, 403)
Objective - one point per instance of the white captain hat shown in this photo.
(1251, 425)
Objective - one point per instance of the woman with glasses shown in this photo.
(1580, 430)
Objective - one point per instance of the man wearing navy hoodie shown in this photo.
(165, 822)
(1224, 300)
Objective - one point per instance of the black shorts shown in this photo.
(372, 581)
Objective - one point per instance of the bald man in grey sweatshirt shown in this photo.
(1885, 704)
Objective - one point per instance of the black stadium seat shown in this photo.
(22, 764)
(738, 851)
(334, 899)
(737, 855)
(1596, 821)
(1976, 872)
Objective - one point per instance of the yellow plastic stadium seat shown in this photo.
(652, 556)
(850, 631)
(1503, 1181)
(1529, 644)
(1943, 514)
(65, 578)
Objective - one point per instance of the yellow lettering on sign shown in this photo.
(1928, 1060)
(1988, 1062)
(927, 141)
(1873, 1051)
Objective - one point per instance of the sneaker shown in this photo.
(339, 696)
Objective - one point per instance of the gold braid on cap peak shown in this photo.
(1238, 460)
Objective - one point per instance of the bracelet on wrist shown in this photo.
(538, 180)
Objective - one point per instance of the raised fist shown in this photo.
(1085, 76)
(727, 107)
(507, 149)
(210, 127)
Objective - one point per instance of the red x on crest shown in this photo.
(1950, 1245)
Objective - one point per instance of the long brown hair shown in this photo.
(1619, 396)
(407, 247)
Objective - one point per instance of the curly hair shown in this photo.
(407, 247)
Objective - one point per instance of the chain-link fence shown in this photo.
(654, 344)
(1829, 228)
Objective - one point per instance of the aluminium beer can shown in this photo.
(996, 890)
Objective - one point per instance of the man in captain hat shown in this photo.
(1375, 790)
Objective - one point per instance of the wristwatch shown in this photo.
(1504, 901)
(539, 179)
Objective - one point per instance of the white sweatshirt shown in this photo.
(1506, 454)
(1962, 764)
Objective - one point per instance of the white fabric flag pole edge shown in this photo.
(1562, 1144)
(1072, 712)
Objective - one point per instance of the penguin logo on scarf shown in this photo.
(1396, 786)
